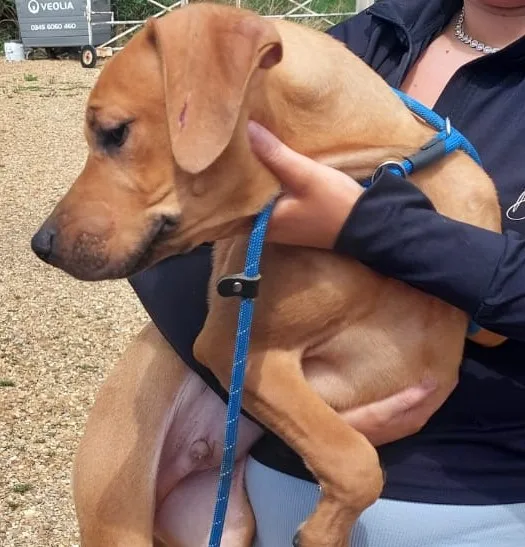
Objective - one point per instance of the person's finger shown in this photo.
(408, 400)
(396, 417)
(394, 407)
(295, 171)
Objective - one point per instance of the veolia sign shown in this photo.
(35, 7)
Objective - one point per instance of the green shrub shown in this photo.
(8, 22)
(136, 10)
(141, 9)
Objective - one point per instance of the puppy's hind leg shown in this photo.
(115, 468)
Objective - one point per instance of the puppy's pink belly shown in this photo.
(188, 469)
(185, 517)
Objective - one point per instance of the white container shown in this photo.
(14, 51)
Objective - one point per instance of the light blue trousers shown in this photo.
(281, 503)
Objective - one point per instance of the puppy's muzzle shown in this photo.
(88, 252)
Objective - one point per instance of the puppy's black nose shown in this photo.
(42, 242)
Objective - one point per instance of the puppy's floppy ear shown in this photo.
(208, 54)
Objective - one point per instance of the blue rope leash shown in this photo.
(445, 141)
(453, 139)
(251, 271)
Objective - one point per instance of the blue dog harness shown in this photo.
(245, 286)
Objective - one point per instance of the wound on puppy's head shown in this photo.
(182, 115)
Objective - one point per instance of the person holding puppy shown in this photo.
(455, 475)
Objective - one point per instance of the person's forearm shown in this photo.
(395, 230)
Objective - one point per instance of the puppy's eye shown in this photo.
(116, 137)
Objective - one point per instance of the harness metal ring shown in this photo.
(392, 163)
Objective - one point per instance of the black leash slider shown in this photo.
(239, 285)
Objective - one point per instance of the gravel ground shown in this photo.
(58, 336)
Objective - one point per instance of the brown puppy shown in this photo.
(170, 167)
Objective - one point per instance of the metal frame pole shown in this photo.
(88, 18)
(360, 5)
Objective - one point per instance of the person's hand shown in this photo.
(397, 416)
(317, 199)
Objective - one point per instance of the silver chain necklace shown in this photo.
(462, 36)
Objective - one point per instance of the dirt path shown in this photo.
(58, 336)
